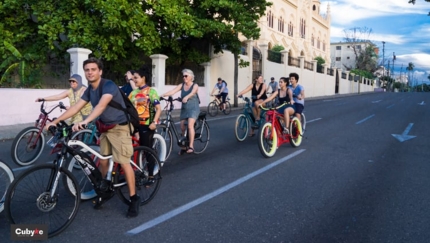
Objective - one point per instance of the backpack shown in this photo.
(129, 110)
(225, 83)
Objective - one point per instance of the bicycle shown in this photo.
(31, 140)
(201, 127)
(48, 193)
(271, 135)
(87, 190)
(216, 105)
(6, 178)
(246, 119)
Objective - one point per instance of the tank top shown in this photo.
(256, 92)
(282, 100)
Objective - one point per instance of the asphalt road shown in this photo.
(351, 180)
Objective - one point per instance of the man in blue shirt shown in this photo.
(298, 94)
(115, 139)
(221, 85)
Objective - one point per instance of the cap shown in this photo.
(77, 78)
(272, 78)
(219, 79)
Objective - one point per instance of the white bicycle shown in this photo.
(6, 178)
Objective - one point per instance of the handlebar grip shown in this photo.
(52, 129)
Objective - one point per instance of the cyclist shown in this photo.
(145, 99)
(190, 109)
(284, 95)
(74, 93)
(115, 139)
(298, 94)
(258, 95)
(129, 85)
(222, 91)
(273, 85)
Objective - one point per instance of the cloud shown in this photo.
(347, 12)
(420, 60)
(339, 34)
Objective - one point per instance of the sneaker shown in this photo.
(255, 125)
(286, 131)
(133, 209)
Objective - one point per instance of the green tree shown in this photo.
(320, 61)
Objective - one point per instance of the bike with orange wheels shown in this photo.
(271, 135)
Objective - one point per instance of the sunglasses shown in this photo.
(185, 76)
(72, 81)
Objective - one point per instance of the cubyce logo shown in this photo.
(29, 232)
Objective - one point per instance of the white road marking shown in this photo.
(365, 119)
(404, 136)
(190, 205)
(388, 107)
(376, 101)
(313, 120)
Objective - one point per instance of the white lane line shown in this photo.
(365, 119)
(190, 205)
(388, 107)
(377, 101)
(313, 120)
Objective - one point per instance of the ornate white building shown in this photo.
(298, 26)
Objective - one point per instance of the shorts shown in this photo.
(223, 96)
(299, 108)
(117, 142)
(282, 109)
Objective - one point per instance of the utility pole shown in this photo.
(400, 77)
(383, 58)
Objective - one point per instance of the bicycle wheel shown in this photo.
(267, 140)
(6, 178)
(159, 146)
(88, 137)
(241, 127)
(27, 146)
(295, 132)
(213, 108)
(28, 199)
(85, 185)
(201, 138)
(303, 120)
(146, 187)
(227, 108)
(168, 138)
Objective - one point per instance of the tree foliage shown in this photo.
(320, 61)
(366, 58)
(413, 2)
(122, 32)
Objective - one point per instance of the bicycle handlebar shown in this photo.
(60, 104)
(274, 108)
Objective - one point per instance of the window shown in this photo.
(347, 58)
(358, 47)
(270, 19)
(324, 46)
(348, 47)
(290, 29)
(281, 25)
(302, 28)
(338, 48)
(318, 43)
(313, 40)
(338, 59)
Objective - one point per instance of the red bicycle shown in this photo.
(271, 135)
(29, 143)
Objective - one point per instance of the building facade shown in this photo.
(343, 53)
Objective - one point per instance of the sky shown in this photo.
(404, 27)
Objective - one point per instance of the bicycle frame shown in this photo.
(273, 116)
(247, 111)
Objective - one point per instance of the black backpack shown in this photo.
(129, 110)
(225, 82)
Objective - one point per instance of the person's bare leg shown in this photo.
(191, 132)
(104, 167)
(129, 177)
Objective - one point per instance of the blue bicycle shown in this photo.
(246, 119)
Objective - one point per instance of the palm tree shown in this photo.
(410, 67)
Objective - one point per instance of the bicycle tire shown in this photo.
(159, 146)
(227, 108)
(201, 138)
(267, 140)
(26, 204)
(166, 133)
(88, 137)
(295, 132)
(303, 121)
(6, 178)
(213, 108)
(242, 125)
(34, 151)
(144, 188)
(85, 185)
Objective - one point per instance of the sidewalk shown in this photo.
(9, 132)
